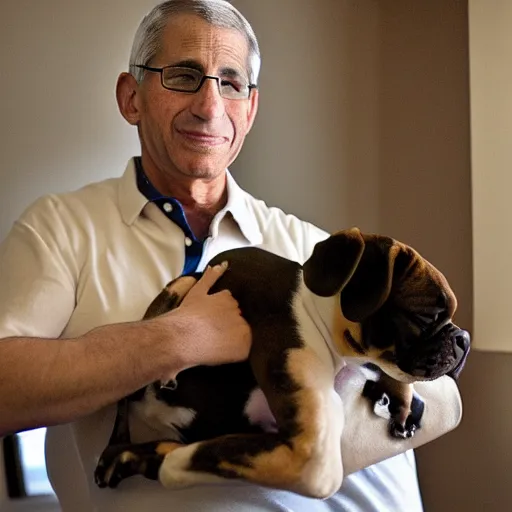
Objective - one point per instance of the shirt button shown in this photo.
(188, 242)
(168, 207)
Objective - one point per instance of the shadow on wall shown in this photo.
(425, 168)
(314, 148)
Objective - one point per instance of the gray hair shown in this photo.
(219, 13)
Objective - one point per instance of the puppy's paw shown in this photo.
(404, 418)
(396, 429)
(116, 463)
(417, 411)
(119, 462)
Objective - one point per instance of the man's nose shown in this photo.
(207, 103)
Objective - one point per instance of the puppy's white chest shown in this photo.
(314, 317)
(151, 417)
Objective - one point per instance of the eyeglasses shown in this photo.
(191, 80)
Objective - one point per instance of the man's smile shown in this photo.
(203, 138)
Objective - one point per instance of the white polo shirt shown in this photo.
(100, 255)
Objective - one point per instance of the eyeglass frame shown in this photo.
(201, 82)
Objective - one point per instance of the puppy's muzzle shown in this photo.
(443, 353)
(463, 344)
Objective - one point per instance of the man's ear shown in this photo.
(127, 101)
(253, 108)
(333, 262)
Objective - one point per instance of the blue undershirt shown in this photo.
(173, 210)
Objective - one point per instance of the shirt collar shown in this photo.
(238, 207)
(132, 201)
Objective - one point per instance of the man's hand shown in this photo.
(207, 329)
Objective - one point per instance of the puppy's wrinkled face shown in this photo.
(403, 304)
(413, 348)
(413, 327)
(414, 324)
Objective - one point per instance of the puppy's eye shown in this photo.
(426, 320)
(428, 316)
(419, 321)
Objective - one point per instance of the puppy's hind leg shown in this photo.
(119, 462)
(304, 456)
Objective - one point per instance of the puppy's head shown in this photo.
(403, 304)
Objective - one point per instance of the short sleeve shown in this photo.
(37, 290)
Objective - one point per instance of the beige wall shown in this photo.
(491, 111)
(364, 121)
(60, 127)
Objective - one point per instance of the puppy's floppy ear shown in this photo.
(333, 262)
(371, 282)
(418, 287)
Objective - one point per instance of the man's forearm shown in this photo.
(45, 382)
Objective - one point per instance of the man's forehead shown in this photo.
(189, 38)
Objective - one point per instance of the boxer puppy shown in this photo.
(361, 298)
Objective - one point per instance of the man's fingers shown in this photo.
(209, 278)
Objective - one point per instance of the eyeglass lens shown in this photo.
(190, 80)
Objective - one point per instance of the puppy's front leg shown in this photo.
(405, 407)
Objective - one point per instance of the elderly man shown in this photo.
(78, 270)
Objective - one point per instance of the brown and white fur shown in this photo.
(362, 298)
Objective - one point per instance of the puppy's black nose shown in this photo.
(463, 340)
(461, 347)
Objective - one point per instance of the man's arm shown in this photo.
(50, 381)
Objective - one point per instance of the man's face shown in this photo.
(196, 135)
